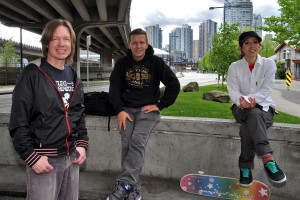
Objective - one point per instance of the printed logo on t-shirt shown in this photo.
(65, 88)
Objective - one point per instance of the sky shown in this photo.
(168, 14)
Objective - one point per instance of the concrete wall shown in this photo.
(180, 146)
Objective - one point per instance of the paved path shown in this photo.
(286, 101)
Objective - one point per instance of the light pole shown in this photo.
(227, 5)
(88, 43)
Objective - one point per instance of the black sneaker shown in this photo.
(274, 173)
(245, 177)
(134, 195)
(120, 191)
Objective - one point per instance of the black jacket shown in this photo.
(39, 122)
(135, 84)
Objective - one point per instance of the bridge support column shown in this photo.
(106, 58)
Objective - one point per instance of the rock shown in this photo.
(191, 87)
(216, 95)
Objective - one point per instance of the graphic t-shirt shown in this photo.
(65, 82)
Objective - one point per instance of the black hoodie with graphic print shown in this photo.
(135, 84)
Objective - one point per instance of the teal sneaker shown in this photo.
(274, 173)
(245, 177)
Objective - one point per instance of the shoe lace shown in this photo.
(272, 166)
(245, 172)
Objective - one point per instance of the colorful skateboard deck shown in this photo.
(223, 187)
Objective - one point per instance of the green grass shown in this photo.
(192, 104)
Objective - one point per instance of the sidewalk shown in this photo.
(287, 101)
(94, 186)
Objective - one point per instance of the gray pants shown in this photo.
(253, 132)
(62, 183)
(134, 141)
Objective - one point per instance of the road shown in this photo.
(286, 101)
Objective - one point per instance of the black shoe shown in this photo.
(245, 177)
(120, 191)
(274, 173)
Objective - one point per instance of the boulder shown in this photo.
(216, 95)
(191, 87)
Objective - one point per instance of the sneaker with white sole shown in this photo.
(246, 178)
(275, 174)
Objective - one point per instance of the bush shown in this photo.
(280, 70)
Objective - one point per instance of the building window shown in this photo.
(286, 54)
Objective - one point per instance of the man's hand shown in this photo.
(81, 155)
(122, 117)
(42, 166)
(149, 108)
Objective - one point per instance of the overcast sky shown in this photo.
(169, 14)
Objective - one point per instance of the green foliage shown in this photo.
(204, 63)
(192, 104)
(280, 70)
(268, 47)
(8, 56)
(286, 26)
(224, 49)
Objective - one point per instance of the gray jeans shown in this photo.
(253, 132)
(60, 184)
(134, 141)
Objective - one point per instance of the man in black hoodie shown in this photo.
(135, 94)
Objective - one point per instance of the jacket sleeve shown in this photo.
(22, 105)
(169, 79)
(82, 140)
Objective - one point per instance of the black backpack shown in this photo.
(97, 103)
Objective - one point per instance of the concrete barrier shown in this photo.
(180, 145)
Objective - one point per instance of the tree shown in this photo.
(268, 47)
(8, 54)
(286, 26)
(224, 49)
(204, 63)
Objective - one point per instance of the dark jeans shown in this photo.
(253, 132)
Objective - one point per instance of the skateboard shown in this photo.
(223, 187)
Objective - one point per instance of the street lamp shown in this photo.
(226, 6)
(88, 43)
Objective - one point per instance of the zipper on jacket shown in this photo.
(65, 109)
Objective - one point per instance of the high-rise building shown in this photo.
(174, 40)
(207, 30)
(242, 13)
(154, 34)
(187, 41)
(181, 39)
(257, 21)
(195, 50)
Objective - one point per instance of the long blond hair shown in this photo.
(47, 35)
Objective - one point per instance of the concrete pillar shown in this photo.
(106, 57)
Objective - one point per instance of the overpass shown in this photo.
(106, 21)
(28, 51)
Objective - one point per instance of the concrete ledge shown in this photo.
(181, 145)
